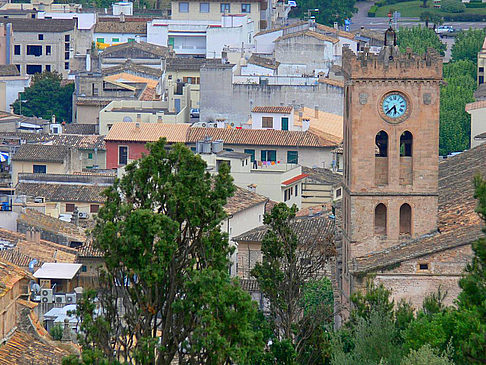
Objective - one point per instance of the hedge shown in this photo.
(372, 11)
(464, 17)
(475, 5)
(381, 3)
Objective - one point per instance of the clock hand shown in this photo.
(394, 107)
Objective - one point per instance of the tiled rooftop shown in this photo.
(272, 109)
(308, 33)
(62, 192)
(9, 275)
(263, 62)
(41, 153)
(148, 132)
(116, 26)
(322, 176)
(241, 200)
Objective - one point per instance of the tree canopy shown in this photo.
(419, 39)
(330, 11)
(46, 97)
(467, 45)
(166, 291)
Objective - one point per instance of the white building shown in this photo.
(202, 37)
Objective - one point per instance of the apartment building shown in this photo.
(39, 45)
(211, 10)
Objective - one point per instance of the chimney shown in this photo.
(311, 212)
(122, 17)
(336, 26)
(300, 116)
(316, 111)
(36, 236)
(305, 124)
(29, 235)
(53, 118)
(139, 119)
(159, 119)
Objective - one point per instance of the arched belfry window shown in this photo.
(406, 144)
(406, 219)
(381, 141)
(380, 219)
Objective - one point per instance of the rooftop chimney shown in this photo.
(139, 119)
(311, 212)
(305, 124)
(316, 111)
(159, 119)
(122, 17)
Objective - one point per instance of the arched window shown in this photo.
(381, 141)
(406, 143)
(380, 219)
(405, 219)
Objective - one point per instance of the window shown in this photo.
(225, 7)
(267, 122)
(269, 155)
(481, 79)
(405, 219)
(406, 141)
(66, 65)
(33, 69)
(338, 193)
(296, 190)
(39, 169)
(287, 194)
(292, 157)
(40, 37)
(66, 55)
(481, 69)
(115, 40)
(84, 268)
(48, 68)
(34, 50)
(67, 38)
(94, 208)
(251, 153)
(380, 219)
(246, 8)
(70, 207)
(90, 155)
(423, 266)
(183, 7)
(18, 67)
(204, 7)
(131, 40)
(381, 141)
(122, 155)
(17, 50)
(48, 50)
(100, 40)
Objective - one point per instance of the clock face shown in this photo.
(394, 105)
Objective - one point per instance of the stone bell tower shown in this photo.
(391, 143)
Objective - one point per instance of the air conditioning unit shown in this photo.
(46, 296)
(39, 199)
(71, 298)
(60, 299)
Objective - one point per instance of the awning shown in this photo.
(57, 270)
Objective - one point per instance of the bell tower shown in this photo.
(391, 143)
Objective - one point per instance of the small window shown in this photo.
(48, 50)
(246, 8)
(406, 143)
(269, 155)
(17, 50)
(94, 208)
(40, 37)
(380, 219)
(115, 40)
(48, 68)
(100, 40)
(66, 47)
(39, 169)
(481, 79)
(66, 56)
(406, 219)
(204, 7)
(70, 207)
(225, 7)
(33, 69)
(122, 155)
(338, 193)
(481, 69)
(381, 141)
(90, 155)
(18, 67)
(34, 50)
(183, 7)
(67, 38)
(296, 190)
(423, 266)
(267, 122)
(66, 65)
(84, 268)
(251, 153)
(292, 157)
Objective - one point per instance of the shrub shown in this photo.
(56, 332)
(452, 6)
(475, 5)
(464, 17)
(372, 11)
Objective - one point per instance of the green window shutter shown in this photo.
(251, 153)
(292, 157)
(100, 40)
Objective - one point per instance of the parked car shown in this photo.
(444, 29)
(195, 113)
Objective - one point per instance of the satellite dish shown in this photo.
(35, 288)
(127, 119)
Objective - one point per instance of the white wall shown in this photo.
(264, 42)
(85, 20)
(12, 89)
(277, 120)
(251, 69)
(122, 37)
(157, 33)
(478, 125)
(233, 37)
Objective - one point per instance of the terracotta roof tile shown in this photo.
(322, 176)
(41, 153)
(476, 105)
(294, 25)
(263, 62)
(325, 80)
(115, 26)
(262, 137)
(243, 199)
(272, 109)
(294, 179)
(9, 275)
(148, 132)
(308, 33)
(79, 128)
(41, 25)
(335, 32)
(331, 125)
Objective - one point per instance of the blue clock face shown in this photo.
(394, 105)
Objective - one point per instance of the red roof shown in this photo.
(294, 179)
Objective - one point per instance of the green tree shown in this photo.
(167, 267)
(419, 39)
(452, 6)
(426, 355)
(46, 97)
(56, 332)
(300, 304)
(330, 11)
(467, 45)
